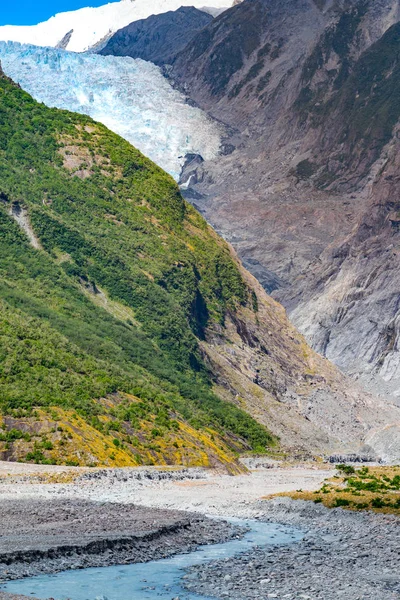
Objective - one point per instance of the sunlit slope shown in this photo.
(129, 331)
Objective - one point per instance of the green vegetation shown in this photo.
(126, 281)
(346, 469)
(374, 488)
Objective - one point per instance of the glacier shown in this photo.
(131, 97)
(84, 28)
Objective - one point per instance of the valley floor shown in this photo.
(343, 554)
(194, 490)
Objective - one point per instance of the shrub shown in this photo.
(346, 469)
(341, 502)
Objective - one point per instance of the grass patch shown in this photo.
(365, 488)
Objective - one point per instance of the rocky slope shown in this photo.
(160, 37)
(354, 288)
(130, 332)
(82, 29)
(307, 192)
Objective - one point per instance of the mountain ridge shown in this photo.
(80, 30)
(158, 38)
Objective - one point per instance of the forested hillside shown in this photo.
(108, 279)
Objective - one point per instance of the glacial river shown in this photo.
(156, 580)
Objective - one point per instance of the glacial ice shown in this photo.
(131, 97)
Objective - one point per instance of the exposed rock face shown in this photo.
(63, 44)
(309, 196)
(160, 37)
(349, 306)
(302, 397)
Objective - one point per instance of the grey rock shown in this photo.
(159, 37)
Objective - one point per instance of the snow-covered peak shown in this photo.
(81, 29)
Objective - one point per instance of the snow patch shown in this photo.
(131, 97)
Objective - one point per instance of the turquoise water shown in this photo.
(156, 580)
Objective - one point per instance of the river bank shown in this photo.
(153, 580)
(192, 490)
(48, 536)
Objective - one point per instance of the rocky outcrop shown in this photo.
(308, 196)
(63, 44)
(159, 37)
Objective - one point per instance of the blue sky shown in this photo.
(30, 12)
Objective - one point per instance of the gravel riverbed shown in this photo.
(128, 515)
(55, 535)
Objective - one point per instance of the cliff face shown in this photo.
(158, 38)
(348, 305)
(129, 331)
(230, 64)
(354, 284)
(308, 192)
(280, 381)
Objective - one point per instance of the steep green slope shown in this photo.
(108, 280)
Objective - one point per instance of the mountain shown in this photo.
(160, 37)
(130, 333)
(349, 305)
(307, 194)
(80, 30)
(129, 96)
